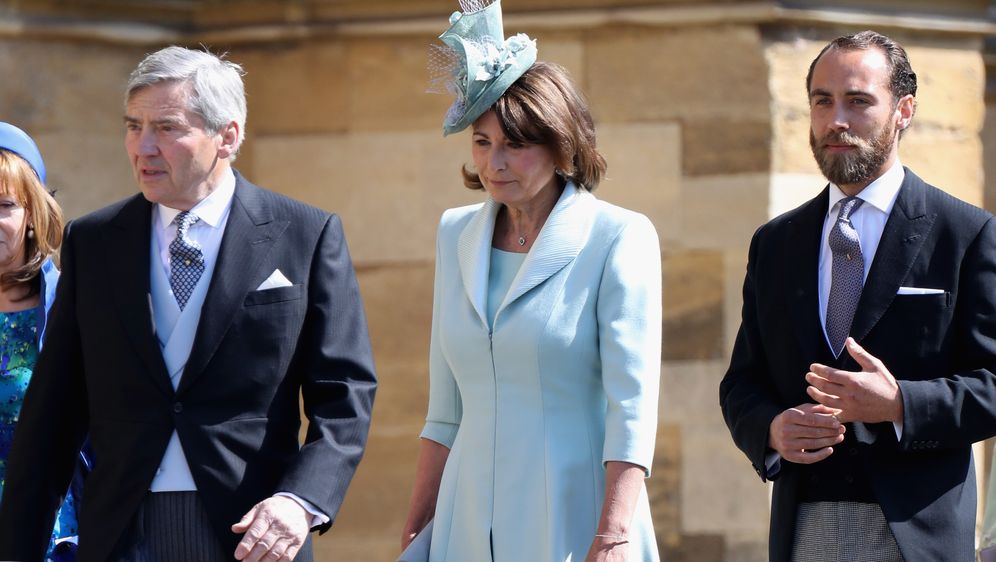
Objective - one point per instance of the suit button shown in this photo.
(853, 452)
(177, 407)
(849, 479)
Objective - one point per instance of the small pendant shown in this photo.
(522, 240)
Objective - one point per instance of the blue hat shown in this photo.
(18, 142)
(484, 62)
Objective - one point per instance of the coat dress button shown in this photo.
(177, 407)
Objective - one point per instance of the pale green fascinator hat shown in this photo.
(477, 63)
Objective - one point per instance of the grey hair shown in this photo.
(218, 94)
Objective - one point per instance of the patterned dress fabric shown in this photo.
(848, 275)
(18, 354)
(186, 259)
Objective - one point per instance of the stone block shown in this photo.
(386, 81)
(989, 157)
(725, 146)
(640, 74)
(664, 486)
(389, 187)
(950, 160)
(707, 201)
(369, 524)
(296, 88)
(734, 270)
(88, 169)
(950, 83)
(65, 86)
(398, 302)
(644, 172)
(693, 305)
(709, 547)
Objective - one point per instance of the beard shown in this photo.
(856, 166)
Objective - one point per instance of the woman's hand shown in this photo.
(607, 549)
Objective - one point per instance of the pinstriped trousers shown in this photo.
(174, 527)
(843, 532)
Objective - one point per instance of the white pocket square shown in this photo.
(276, 279)
(919, 291)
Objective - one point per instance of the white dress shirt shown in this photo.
(869, 221)
(213, 212)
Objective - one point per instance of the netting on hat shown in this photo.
(468, 6)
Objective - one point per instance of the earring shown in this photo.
(31, 233)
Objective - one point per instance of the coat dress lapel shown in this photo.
(249, 236)
(560, 241)
(127, 243)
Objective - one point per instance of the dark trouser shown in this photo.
(843, 532)
(174, 527)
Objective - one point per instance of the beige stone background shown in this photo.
(701, 112)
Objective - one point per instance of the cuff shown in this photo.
(318, 518)
(772, 465)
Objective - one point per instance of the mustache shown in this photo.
(842, 137)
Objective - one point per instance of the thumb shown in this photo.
(865, 359)
(243, 524)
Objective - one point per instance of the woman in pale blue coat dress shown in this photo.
(545, 349)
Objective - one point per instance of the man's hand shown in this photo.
(870, 395)
(805, 434)
(275, 529)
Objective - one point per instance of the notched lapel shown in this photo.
(903, 236)
(474, 256)
(249, 237)
(127, 242)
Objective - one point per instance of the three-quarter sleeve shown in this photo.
(445, 406)
(629, 330)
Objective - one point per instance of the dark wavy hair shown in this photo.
(902, 79)
(545, 107)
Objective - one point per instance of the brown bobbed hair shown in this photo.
(18, 178)
(545, 107)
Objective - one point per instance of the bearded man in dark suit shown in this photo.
(864, 367)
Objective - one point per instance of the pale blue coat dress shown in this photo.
(567, 379)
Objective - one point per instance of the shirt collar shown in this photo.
(211, 209)
(881, 193)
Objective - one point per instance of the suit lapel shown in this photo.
(902, 238)
(127, 242)
(474, 256)
(249, 236)
(804, 240)
(563, 235)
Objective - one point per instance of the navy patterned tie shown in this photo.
(848, 275)
(186, 260)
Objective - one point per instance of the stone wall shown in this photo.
(701, 114)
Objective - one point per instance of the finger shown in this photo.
(808, 457)
(291, 552)
(867, 361)
(813, 444)
(827, 384)
(258, 552)
(277, 551)
(256, 531)
(243, 523)
(811, 418)
(829, 400)
(813, 432)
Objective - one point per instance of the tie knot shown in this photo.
(848, 206)
(183, 221)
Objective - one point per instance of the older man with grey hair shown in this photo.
(191, 318)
